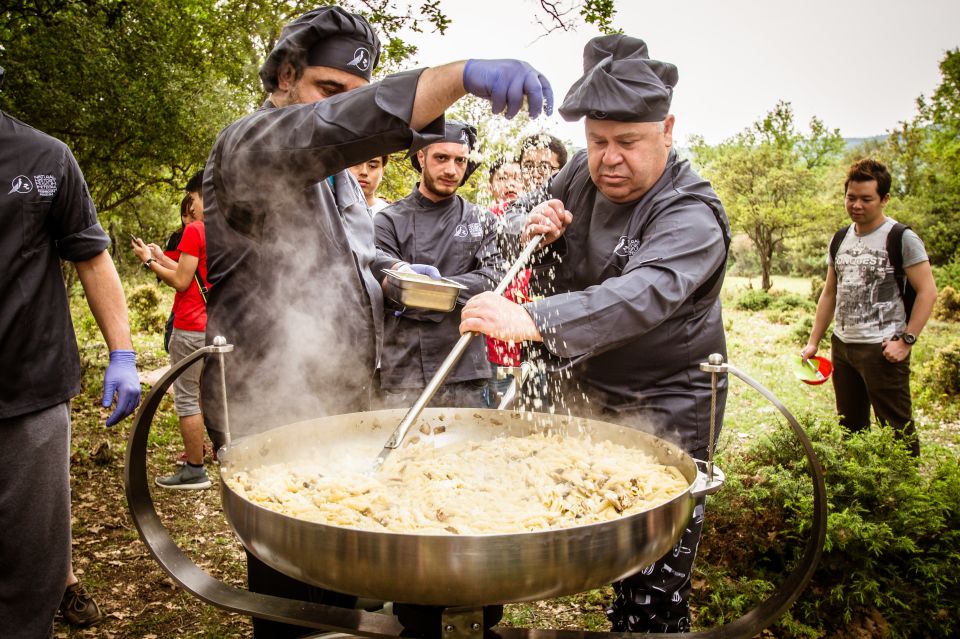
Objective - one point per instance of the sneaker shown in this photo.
(187, 477)
(78, 608)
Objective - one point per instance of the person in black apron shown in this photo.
(631, 279)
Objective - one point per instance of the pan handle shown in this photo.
(705, 483)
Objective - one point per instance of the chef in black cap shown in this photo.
(632, 275)
(436, 226)
(291, 259)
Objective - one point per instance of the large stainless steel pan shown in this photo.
(449, 570)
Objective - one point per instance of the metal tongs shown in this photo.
(451, 360)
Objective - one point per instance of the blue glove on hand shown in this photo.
(121, 378)
(421, 269)
(505, 83)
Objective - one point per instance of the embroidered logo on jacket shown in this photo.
(46, 185)
(626, 246)
(20, 184)
(460, 231)
(361, 59)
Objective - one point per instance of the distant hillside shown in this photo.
(853, 142)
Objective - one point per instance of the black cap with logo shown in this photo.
(329, 37)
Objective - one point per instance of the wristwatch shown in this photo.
(909, 338)
(149, 260)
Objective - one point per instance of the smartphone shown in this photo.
(135, 239)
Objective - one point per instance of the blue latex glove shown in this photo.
(505, 83)
(121, 378)
(421, 269)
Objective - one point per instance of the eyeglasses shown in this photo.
(540, 167)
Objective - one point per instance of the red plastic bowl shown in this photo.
(807, 375)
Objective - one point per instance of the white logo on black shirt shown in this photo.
(460, 231)
(20, 184)
(46, 185)
(626, 246)
(361, 59)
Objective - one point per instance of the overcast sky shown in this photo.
(859, 69)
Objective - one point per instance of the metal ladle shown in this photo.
(451, 360)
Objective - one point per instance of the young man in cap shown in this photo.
(874, 332)
(47, 215)
(435, 225)
(291, 260)
(632, 280)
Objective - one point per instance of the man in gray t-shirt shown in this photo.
(873, 333)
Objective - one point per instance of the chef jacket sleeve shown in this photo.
(265, 156)
(73, 217)
(690, 247)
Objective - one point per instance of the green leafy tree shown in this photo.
(769, 177)
(139, 90)
(925, 157)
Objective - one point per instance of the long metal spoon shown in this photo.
(444, 371)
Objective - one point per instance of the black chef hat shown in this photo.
(457, 132)
(620, 82)
(329, 37)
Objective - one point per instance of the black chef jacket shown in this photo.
(460, 239)
(46, 214)
(290, 254)
(633, 299)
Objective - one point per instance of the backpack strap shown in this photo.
(836, 242)
(895, 250)
(203, 289)
(895, 256)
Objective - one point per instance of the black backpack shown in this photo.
(894, 254)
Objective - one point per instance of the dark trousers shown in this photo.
(34, 520)
(470, 394)
(656, 598)
(264, 579)
(862, 378)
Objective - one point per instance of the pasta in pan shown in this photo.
(502, 485)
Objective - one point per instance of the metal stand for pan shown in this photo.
(451, 622)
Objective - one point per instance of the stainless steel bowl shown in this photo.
(449, 570)
(423, 292)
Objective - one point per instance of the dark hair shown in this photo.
(498, 164)
(544, 141)
(195, 183)
(185, 205)
(867, 170)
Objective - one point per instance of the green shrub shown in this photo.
(145, 304)
(948, 274)
(150, 322)
(144, 299)
(816, 288)
(941, 375)
(948, 305)
(753, 300)
(893, 531)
